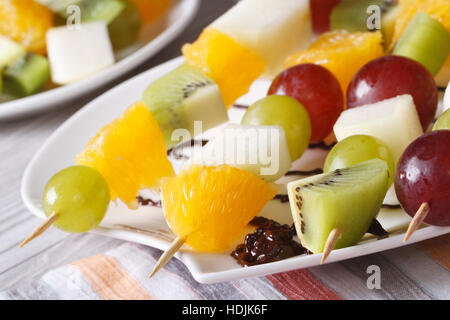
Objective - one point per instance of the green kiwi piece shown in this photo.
(124, 29)
(351, 15)
(26, 76)
(183, 96)
(425, 40)
(348, 199)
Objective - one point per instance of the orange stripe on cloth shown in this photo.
(302, 285)
(438, 248)
(110, 280)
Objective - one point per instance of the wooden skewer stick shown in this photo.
(417, 220)
(168, 254)
(333, 237)
(39, 230)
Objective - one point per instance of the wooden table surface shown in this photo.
(20, 139)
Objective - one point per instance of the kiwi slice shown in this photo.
(183, 96)
(425, 40)
(26, 76)
(348, 199)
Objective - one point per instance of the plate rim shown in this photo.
(51, 98)
(394, 241)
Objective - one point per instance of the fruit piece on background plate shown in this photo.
(391, 76)
(342, 203)
(351, 15)
(211, 206)
(124, 29)
(334, 50)
(10, 51)
(26, 23)
(356, 149)
(261, 150)
(422, 180)
(394, 121)
(183, 96)
(285, 112)
(130, 154)
(26, 75)
(232, 66)
(152, 10)
(318, 90)
(320, 14)
(425, 40)
(91, 10)
(77, 53)
(75, 200)
(437, 9)
(271, 29)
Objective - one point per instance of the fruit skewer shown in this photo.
(423, 180)
(75, 200)
(209, 208)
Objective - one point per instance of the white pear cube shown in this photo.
(446, 102)
(272, 28)
(78, 52)
(10, 51)
(394, 121)
(261, 150)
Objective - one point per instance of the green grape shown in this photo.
(356, 149)
(443, 123)
(286, 112)
(79, 196)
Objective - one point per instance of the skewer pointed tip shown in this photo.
(333, 237)
(167, 255)
(417, 220)
(39, 230)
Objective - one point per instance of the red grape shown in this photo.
(423, 175)
(318, 90)
(390, 76)
(320, 14)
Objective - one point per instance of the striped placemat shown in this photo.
(419, 271)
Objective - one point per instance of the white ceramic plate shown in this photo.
(147, 225)
(178, 17)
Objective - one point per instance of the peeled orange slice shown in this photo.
(211, 206)
(130, 154)
(25, 22)
(232, 66)
(341, 52)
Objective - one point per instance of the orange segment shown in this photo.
(25, 22)
(130, 154)
(150, 10)
(212, 206)
(438, 9)
(341, 52)
(232, 66)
